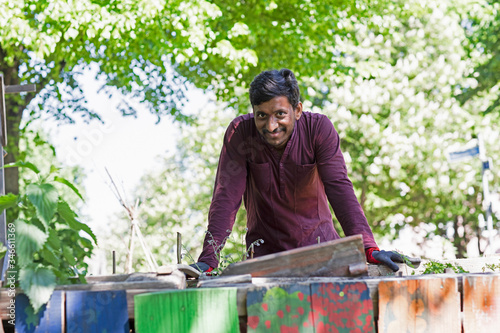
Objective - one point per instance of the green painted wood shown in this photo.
(187, 311)
(285, 308)
(342, 307)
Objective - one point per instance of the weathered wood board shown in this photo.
(187, 311)
(285, 308)
(481, 303)
(342, 257)
(342, 307)
(315, 307)
(425, 304)
(50, 319)
(97, 311)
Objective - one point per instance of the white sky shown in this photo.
(128, 147)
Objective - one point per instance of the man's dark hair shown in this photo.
(273, 83)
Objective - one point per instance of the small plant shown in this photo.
(226, 260)
(406, 259)
(492, 267)
(49, 248)
(435, 267)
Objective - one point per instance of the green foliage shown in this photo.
(50, 244)
(435, 267)
(483, 30)
(492, 267)
(397, 117)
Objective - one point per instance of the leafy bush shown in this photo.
(50, 246)
(435, 267)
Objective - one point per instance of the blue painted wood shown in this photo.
(97, 311)
(48, 320)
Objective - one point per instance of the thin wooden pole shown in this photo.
(114, 262)
(179, 247)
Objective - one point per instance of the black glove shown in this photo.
(388, 258)
(201, 266)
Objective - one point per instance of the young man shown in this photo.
(287, 165)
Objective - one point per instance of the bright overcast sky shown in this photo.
(127, 146)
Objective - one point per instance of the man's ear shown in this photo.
(298, 111)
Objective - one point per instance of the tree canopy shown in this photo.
(390, 91)
(152, 50)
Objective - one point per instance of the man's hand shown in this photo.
(388, 258)
(202, 267)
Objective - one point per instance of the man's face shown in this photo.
(275, 120)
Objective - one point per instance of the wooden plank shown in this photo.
(186, 311)
(3, 115)
(342, 307)
(97, 311)
(50, 318)
(481, 303)
(20, 88)
(3, 141)
(342, 257)
(176, 280)
(223, 281)
(285, 308)
(419, 305)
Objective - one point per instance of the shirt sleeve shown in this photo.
(338, 187)
(230, 182)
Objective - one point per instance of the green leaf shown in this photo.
(44, 197)
(22, 164)
(69, 216)
(3, 251)
(68, 255)
(53, 239)
(50, 257)
(29, 240)
(38, 283)
(69, 184)
(7, 201)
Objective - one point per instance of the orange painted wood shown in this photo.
(481, 303)
(424, 304)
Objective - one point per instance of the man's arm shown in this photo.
(229, 187)
(340, 193)
(338, 187)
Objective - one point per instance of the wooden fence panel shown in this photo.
(186, 311)
(50, 318)
(285, 308)
(97, 311)
(419, 305)
(481, 295)
(342, 307)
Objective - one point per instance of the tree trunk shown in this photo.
(459, 240)
(15, 104)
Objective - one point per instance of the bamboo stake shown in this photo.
(134, 230)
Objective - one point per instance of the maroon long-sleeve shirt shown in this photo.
(286, 197)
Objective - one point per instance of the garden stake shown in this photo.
(134, 230)
(114, 262)
(179, 247)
